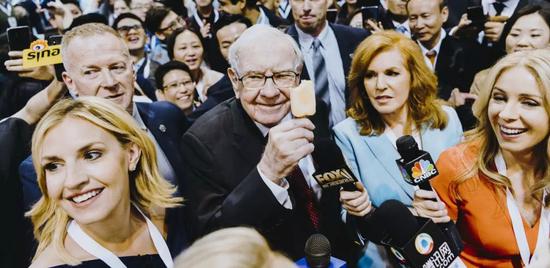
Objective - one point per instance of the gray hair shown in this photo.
(261, 35)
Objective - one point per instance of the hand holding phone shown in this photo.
(19, 38)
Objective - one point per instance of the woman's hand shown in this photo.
(425, 205)
(356, 203)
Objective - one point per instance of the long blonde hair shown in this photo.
(148, 189)
(423, 106)
(537, 62)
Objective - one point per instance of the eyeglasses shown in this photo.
(284, 79)
(126, 29)
(176, 85)
(174, 25)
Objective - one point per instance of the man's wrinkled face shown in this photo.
(104, 71)
(266, 105)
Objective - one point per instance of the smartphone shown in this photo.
(19, 38)
(476, 15)
(370, 12)
(59, 69)
(331, 14)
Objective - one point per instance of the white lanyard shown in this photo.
(95, 249)
(517, 223)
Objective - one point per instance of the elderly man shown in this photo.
(328, 49)
(106, 71)
(255, 168)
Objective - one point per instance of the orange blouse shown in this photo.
(482, 216)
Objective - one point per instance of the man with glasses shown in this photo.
(162, 22)
(248, 160)
(130, 27)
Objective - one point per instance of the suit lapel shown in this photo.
(294, 34)
(379, 148)
(248, 140)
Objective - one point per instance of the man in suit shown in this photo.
(106, 71)
(257, 14)
(394, 17)
(452, 60)
(328, 50)
(255, 168)
(132, 29)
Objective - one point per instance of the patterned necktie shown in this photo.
(304, 194)
(499, 6)
(431, 56)
(320, 72)
(401, 29)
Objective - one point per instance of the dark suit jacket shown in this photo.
(227, 190)
(348, 39)
(274, 20)
(456, 65)
(167, 123)
(15, 136)
(217, 93)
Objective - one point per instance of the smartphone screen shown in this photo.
(19, 38)
(59, 69)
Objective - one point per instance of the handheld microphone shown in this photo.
(331, 168)
(417, 166)
(416, 242)
(317, 251)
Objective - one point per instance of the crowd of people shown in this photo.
(168, 138)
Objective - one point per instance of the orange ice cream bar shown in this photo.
(302, 99)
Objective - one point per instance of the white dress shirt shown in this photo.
(306, 166)
(508, 10)
(437, 47)
(333, 64)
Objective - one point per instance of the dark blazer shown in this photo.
(167, 123)
(456, 66)
(16, 248)
(227, 190)
(348, 39)
(217, 93)
(274, 20)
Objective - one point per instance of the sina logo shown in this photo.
(421, 167)
(424, 244)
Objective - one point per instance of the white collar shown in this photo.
(264, 130)
(306, 40)
(442, 35)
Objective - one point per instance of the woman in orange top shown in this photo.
(494, 183)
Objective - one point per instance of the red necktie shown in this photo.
(302, 189)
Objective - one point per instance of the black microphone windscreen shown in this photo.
(407, 147)
(400, 223)
(317, 251)
(327, 154)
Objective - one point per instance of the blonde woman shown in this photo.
(232, 247)
(100, 185)
(495, 184)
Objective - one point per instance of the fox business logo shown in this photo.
(422, 170)
(424, 243)
(40, 54)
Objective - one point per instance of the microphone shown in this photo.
(317, 251)
(416, 242)
(417, 166)
(331, 168)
